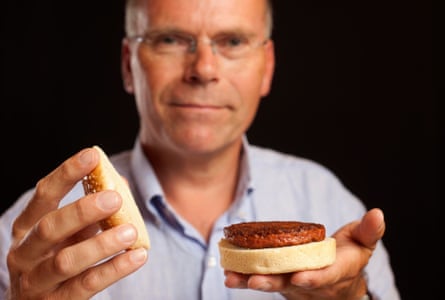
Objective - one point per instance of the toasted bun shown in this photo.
(313, 255)
(105, 177)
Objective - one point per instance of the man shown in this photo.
(198, 70)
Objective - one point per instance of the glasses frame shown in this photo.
(193, 44)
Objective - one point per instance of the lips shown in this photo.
(199, 99)
(196, 105)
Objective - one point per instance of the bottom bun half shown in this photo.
(314, 255)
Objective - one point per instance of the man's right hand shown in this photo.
(60, 253)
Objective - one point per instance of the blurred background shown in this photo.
(353, 90)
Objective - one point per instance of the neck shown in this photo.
(199, 188)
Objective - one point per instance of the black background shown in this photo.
(353, 90)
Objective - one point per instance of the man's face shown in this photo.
(191, 96)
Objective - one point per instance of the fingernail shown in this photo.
(126, 234)
(138, 255)
(107, 201)
(85, 157)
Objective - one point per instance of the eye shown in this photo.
(169, 42)
(168, 39)
(232, 41)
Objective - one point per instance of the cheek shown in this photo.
(152, 78)
(251, 84)
(248, 83)
(153, 73)
(249, 99)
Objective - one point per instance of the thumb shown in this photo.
(371, 228)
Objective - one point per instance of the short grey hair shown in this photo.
(131, 11)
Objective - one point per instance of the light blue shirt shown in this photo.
(181, 265)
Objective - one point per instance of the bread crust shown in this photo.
(105, 177)
(278, 260)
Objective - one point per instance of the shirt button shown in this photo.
(211, 262)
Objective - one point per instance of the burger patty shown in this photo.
(270, 234)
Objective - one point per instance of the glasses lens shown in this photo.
(233, 46)
(168, 43)
(229, 46)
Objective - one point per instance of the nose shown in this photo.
(202, 65)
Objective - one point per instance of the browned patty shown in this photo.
(269, 234)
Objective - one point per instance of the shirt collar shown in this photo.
(150, 189)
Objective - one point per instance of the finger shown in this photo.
(61, 224)
(52, 188)
(256, 281)
(355, 243)
(269, 283)
(71, 261)
(235, 280)
(103, 275)
(82, 235)
(371, 228)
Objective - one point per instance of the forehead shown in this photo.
(202, 15)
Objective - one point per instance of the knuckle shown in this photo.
(25, 284)
(81, 210)
(68, 171)
(64, 263)
(44, 192)
(91, 281)
(105, 243)
(45, 228)
(17, 232)
(118, 265)
(12, 261)
(41, 188)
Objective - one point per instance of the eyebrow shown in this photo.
(170, 30)
(176, 30)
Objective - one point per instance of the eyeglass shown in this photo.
(231, 46)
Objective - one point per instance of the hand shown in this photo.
(59, 253)
(344, 279)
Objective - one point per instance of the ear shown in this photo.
(126, 72)
(270, 68)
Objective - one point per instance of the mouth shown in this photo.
(199, 100)
(193, 111)
(197, 106)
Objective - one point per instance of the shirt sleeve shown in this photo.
(6, 221)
